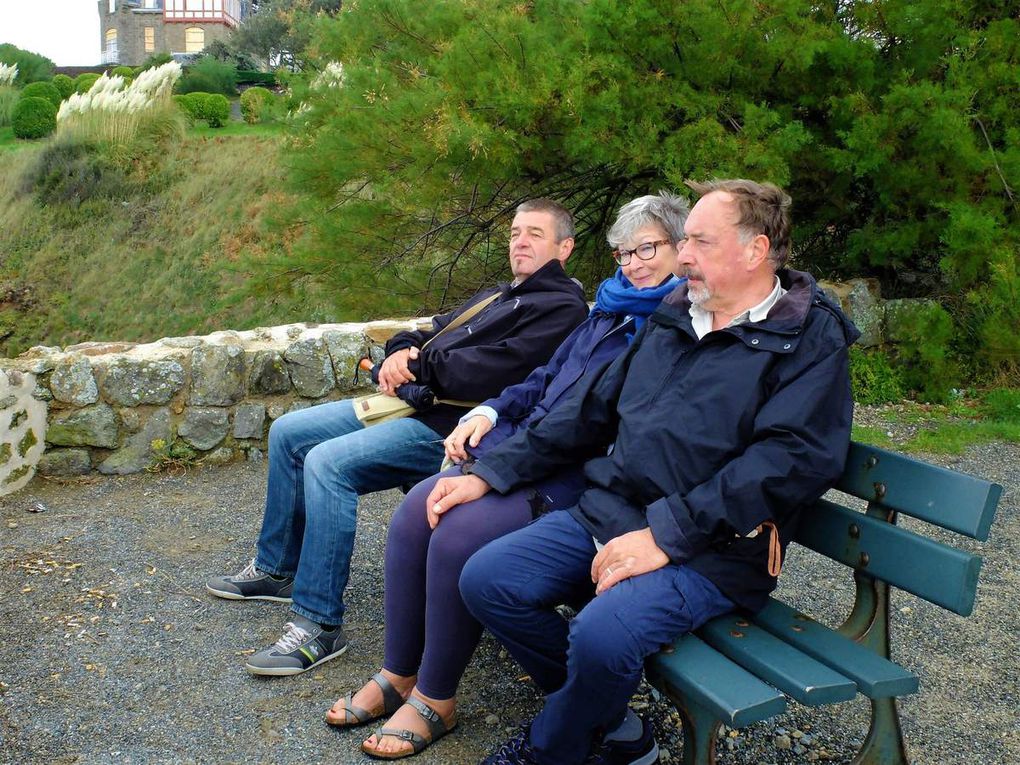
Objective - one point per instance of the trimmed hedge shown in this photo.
(253, 104)
(245, 76)
(45, 90)
(64, 84)
(84, 82)
(34, 117)
(214, 108)
(122, 71)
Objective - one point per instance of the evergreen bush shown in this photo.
(34, 117)
(123, 71)
(64, 84)
(873, 378)
(156, 59)
(83, 82)
(45, 90)
(254, 102)
(207, 75)
(72, 172)
(927, 363)
(214, 108)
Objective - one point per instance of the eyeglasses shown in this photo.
(644, 251)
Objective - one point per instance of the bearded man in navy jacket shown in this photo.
(727, 417)
(322, 458)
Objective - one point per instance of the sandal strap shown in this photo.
(392, 700)
(361, 716)
(432, 718)
(416, 740)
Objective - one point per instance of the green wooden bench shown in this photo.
(740, 670)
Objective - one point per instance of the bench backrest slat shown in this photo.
(952, 500)
(931, 570)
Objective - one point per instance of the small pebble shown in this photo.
(783, 742)
(492, 720)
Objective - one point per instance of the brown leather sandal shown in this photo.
(437, 729)
(354, 716)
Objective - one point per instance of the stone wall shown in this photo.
(120, 408)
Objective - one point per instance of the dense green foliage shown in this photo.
(873, 378)
(208, 75)
(84, 82)
(9, 96)
(64, 84)
(42, 89)
(122, 71)
(32, 67)
(280, 31)
(246, 76)
(892, 123)
(156, 59)
(254, 104)
(34, 118)
(214, 108)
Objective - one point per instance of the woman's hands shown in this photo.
(450, 492)
(469, 433)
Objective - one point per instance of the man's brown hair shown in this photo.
(763, 208)
(561, 215)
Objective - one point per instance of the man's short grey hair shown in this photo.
(561, 215)
(665, 208)
(762, 208)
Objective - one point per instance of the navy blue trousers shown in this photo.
(590, 667)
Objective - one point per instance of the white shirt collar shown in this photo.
(701, 319)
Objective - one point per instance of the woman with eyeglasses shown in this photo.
(430, 636)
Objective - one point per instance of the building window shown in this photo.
(110, 52)
(150, 39)
(194, 39)
(113, 6)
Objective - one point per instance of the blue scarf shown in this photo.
(617, 295)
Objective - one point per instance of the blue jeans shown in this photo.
(591, 666)
(320, 460)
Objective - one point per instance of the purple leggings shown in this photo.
(429, 632)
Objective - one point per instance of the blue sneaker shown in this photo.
(642, 751)
(515, 751)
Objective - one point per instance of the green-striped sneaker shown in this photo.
(304, 645)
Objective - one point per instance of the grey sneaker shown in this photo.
(304, 645)
(251, 583)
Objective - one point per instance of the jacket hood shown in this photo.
(549, 278)
(790, 312)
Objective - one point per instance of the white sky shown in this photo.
(66, 31)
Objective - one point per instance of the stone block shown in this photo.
(72, 381)
(91, 426)
(861, 301)
(345, 350)
(217, 375)
(130, 382)
(249, 420)
(136, 454)
(311, 370)
(65, 462)
(268, 374)
(898, 314)
(222, 456)
(203, 427)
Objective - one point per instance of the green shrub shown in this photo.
(83, 82)
(245, 76)
(64, 84)
(1002, 405)
(926, 331)
(214, 108)
(207, 75)
(873, 379)
(253, 104)
(122, 71)
(34, 117)
(9, 96)
(72, 173)
(32, 67)
(156, 59)
(45, 90)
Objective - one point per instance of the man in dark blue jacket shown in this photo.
(727, 417)
(322, 458)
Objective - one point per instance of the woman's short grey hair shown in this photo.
(665, 208)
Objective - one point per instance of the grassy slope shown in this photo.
(139, 270)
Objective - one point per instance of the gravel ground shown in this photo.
(111, 651)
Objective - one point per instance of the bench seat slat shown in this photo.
(708, 678)
(876, 677)
(954, 501)
(931, 570)
(794, 673)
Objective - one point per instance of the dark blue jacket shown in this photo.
(499, 346)
(710, 437)
(588, 350)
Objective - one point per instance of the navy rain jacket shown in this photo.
(499, 346)
(710, 437)
(588, 350)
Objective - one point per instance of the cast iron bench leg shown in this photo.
(700, 730)
(868, 624)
